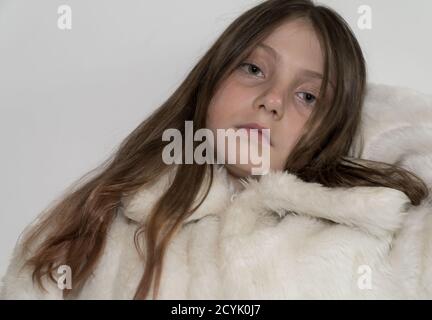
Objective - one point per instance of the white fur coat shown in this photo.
(282, 238)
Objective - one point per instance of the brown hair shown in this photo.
(76, 226)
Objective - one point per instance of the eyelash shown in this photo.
(246, 64)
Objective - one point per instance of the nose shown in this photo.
(272, 102)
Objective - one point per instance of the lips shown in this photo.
(259, 127)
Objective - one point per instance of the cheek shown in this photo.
(216, 116)
(226, 106)
(211, 118)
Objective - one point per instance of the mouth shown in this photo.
(259, 129)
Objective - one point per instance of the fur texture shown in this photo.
(283, 238)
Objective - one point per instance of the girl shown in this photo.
(324, 222)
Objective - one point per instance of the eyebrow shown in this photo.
(306, 72)
(316, 75)
(269, 49)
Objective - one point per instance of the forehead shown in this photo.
(295, 43)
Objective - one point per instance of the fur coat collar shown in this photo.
(378, 211)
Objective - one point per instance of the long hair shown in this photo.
(75, 228)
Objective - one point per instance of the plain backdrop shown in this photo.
(69, 97)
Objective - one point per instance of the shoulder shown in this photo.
(17, 282)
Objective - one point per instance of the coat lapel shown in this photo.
(138, 206)
(378, 211)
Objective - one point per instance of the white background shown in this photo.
(68, 98)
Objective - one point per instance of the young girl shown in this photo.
(324, 222)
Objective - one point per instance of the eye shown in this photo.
(250, 68)
(306, 97)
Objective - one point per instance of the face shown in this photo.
(275, 87)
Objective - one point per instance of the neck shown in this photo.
(235, 179)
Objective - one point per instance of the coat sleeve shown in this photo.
(17, 283)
